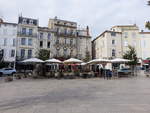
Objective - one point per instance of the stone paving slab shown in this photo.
(124, 95)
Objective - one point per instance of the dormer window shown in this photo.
(31, 21)
(24, 21)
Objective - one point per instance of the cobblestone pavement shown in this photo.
(125, 95)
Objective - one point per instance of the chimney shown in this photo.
(87, 29)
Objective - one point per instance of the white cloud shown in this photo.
(98, 14)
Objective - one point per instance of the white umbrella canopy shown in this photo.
(120, 60)
(72, 60)
(33, 60)
(99, 61)
(53, 60)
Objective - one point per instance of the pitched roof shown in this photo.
(106, 31)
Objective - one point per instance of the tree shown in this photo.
(148, 2)
(147, 25)
(131, 55)
(87, 56)
(43, 54)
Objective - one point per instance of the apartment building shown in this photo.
(69, 41)
(8, 38)
(114, 42)
(145, 44)
(27, 38)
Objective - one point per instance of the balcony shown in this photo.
(27, 34)
(64, 34)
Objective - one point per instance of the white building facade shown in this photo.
(8, 38)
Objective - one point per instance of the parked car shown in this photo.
(7, 71)
(124, 71)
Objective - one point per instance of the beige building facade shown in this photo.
(69, 40)
(145, 44)
(107, 45)
(114, 43)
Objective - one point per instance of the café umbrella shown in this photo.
(53, 61)
(72, 61)
(120, 60)
(33, 60)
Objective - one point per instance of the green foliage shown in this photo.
(131, 55)
(43, 54)
(147, 25)
(148, 2)
(87, 56)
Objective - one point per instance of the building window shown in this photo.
(41, 35)
(29, 53)
(126, 34)
(23, 31)
(113, 42)
(49, 35)
(113, 52)
(30, 31)
(14, 42)
(12, 53)
(71, 41)
(65, 51)
(57, 41)
(23, 41)
(41, 43)
(57, 30)
(125, 43)
(22, 53)
(24, 21)
(31, 22)
(65, 40)
(5, 42)
(113, 34)
(48, 44)
(30, 42)
(65, 31)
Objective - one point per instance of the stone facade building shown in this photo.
(70, 41)
(27, 38)
(62, 38)
(8, 38)
(145, 44)
(114, 43)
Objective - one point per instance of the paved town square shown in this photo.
(123, 95)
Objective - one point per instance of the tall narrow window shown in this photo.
(30, 31)
(12, 53)
(22, 53)
(71, 41)
(23, 41)
(30, 42)
(23, 31)
(49, 35)
(29, 53)
(41, 43)
(41, 35)
(48, 44)
(113, 52)
(126, 34)
(5, 42)
(113, 42)
(14, 42)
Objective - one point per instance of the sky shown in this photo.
(99, 15)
